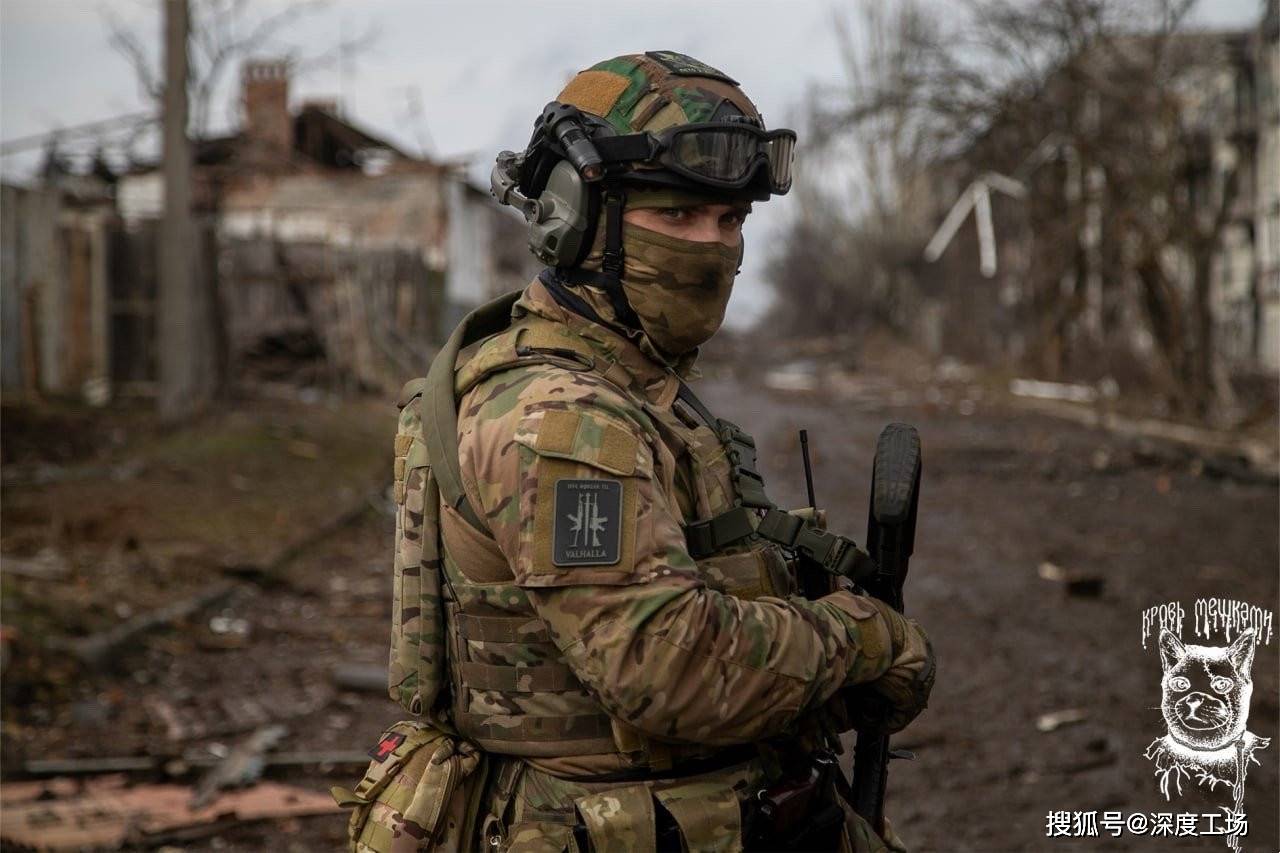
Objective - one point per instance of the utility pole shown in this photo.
(182, 323)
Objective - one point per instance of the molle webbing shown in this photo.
(581, 731)
(583, 728)
(502, 629)
(579, 726)
(539, 737)
(837, 554)
(547, 676)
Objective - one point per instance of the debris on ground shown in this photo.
(47, 565)
(365, 678)
(1222, 454)
(1040, 390)
(1074, 583)
(105, 814)
(94, 651)
(242, 765)
(179, 766)
(1055, 720)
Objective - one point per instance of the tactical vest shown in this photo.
(509, 688)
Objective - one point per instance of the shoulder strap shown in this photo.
(441, 407)
(836, 554)
(535, 342)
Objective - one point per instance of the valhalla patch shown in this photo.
(588, 523)
(686, 66)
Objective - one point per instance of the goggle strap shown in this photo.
(624, 149)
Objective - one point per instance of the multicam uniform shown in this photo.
(639, 657)
(588, 582)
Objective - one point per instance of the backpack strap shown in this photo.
(534, 341)
(441, 407)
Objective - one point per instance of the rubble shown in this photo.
(1055, 720)
(179, 766)
(1074, 583)
(47, 565)
(94, 651)
(107, 815)
(242, 765)
(365, 678)
(1041, 390)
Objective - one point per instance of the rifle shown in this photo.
(787, 815)
(791, 815)
(891, 533)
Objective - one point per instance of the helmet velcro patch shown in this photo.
(594, 92)
(686, 66)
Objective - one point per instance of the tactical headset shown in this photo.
(575, 163)
(551, 181)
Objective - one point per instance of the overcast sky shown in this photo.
(480, 69)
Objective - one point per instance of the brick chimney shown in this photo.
(265, 92)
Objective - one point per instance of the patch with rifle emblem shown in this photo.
(588, 523)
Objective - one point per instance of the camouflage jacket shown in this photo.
(584, 479)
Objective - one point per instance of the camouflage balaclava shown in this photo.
(679, 289)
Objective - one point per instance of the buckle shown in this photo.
(856, 565)
(819, 546)
(704, 538)
(780, 527)
(699, 540)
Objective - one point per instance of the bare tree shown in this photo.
(1090, 104)
(223, 33)
(857, 198)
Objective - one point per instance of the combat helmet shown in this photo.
(658, 119)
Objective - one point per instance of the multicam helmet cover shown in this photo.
(656, 90)
(710, 132)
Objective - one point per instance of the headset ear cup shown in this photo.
(591, 201)
(559, 237)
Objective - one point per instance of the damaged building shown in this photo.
(332, 256)
(1062, 296)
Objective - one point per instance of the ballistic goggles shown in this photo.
(725, 155)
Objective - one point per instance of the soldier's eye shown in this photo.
(1179, 684)
(1222, 685)
(675, 214)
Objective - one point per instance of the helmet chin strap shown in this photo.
(609, 278)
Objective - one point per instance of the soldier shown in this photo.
(617, 617)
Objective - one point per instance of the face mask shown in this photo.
(678, 288)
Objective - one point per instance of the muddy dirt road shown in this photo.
(1004, 492)
(1008, 498)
